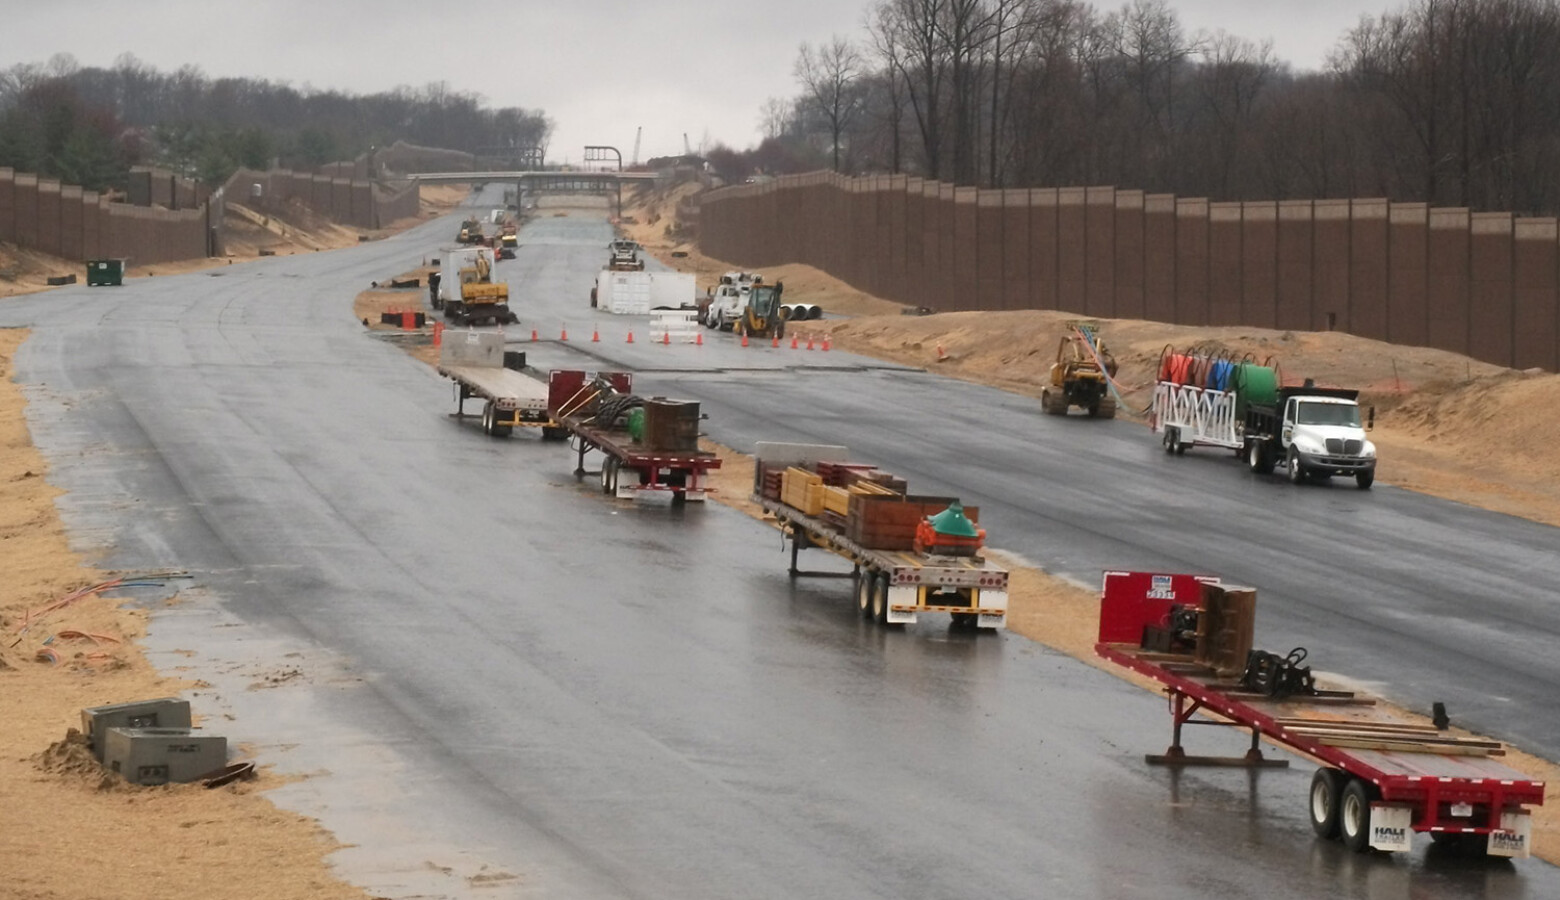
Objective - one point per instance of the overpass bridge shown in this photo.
(543, 182)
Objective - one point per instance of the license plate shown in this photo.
(1462, 810)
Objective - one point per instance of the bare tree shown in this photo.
(923, 62)
(775, 117)
(829, 74)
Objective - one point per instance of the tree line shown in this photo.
(1451, 102)
(88, 125)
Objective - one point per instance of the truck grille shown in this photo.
(1351, 447)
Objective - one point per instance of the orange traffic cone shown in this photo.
(666, 337)
(595, 336)
(809, 342)
(631, 337)
(794, 344)
(438, 334)
(533, 334)
(698, 339)
(941, 353)
(825, 343)
(563, 335)
(744, 338)
(774, 340)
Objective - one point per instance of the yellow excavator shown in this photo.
(762, 316)
(481, 300)
(1081, 374)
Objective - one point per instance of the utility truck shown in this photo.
(1239, 405)
(728, 299)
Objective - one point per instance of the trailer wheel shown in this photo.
(487, 418)
(609, 475)
(864, 594)
(1172, 438)
(1296, 470)
(1354, 814)
(1326, 794)
(880, 599)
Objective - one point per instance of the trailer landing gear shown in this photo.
(1181, 713)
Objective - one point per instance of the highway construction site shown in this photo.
(506, 648)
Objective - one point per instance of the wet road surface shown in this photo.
(500, 681)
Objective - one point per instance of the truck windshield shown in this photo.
(1346, 414)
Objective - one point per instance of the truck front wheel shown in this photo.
(1296, 469)
(1364, 479)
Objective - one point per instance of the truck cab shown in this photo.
(1321, 434)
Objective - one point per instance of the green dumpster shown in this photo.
(105, 272)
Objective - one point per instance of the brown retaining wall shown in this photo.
(346, 201)
(66, 221)
(1483, 284)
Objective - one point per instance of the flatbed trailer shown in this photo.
(1379, 780)
(629, 469)
(510, 398)
(893, 586)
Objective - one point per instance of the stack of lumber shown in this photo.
(803, 490)
(1389, 737)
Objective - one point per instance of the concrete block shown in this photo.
(160, 755)
(164, 712)
(472, 348)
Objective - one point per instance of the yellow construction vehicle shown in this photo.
(762, 316)
(481, 300)
(1081, 374)
(470, 232)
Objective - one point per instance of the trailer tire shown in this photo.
(1172, 438)
(1354, 814)
(1326, 795)
(609, 474)
(487, 418)
(1296, 469)
(880, 599)
(864, 594)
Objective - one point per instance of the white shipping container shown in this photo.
(623, 293)
(671, 290)
(636, 293)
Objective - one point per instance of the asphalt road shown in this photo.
(500, 682)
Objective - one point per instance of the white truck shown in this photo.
(728, 299)
(1313, 432)
(637, 292)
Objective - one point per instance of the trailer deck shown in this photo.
(683, 474)
(478, 365)
(1402, 777)
(914, 583)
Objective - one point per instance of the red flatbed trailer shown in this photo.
(1379, 781)
(684, 474)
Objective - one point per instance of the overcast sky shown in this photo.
(599, 68)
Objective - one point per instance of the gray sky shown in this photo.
(600, 68)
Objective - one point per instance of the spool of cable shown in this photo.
(1253, 384)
